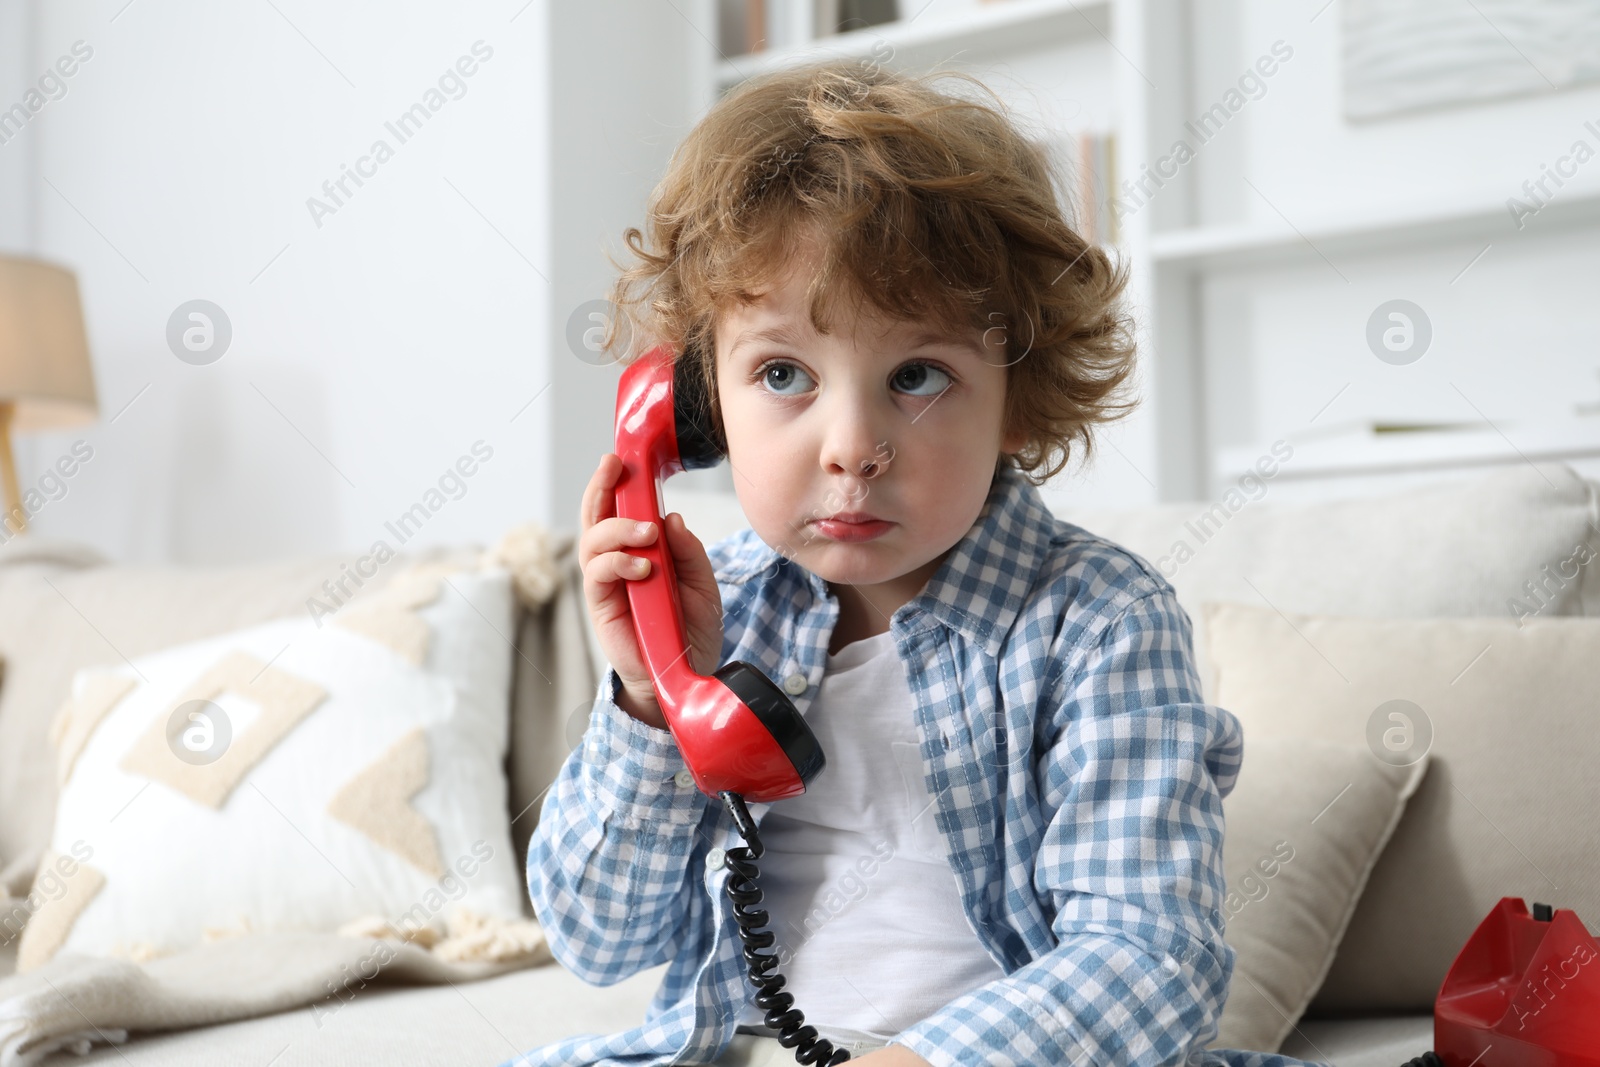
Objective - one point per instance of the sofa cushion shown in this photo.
(299, 774)
(1508, 716)
(131, 610)
(1469, 547)
(60, 612)
(1362, 1041)
(1305, 823)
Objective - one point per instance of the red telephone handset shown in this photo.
(737, 731)
(740, 735)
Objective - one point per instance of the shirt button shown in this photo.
(796, 683)
(684, 778)
(714, 859)
(1169, 965)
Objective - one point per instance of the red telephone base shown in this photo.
(1523, 992)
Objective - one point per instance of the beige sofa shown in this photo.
(1462, 549)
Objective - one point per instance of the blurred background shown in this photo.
(279, 277)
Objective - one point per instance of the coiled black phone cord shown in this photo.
(781, 1014)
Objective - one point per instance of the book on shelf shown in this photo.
(741, 27)
(755, 31)
(1085, 164)
(750, 26)
(1097, 157)
(842, 16)
(1365, 427)
(746, 27)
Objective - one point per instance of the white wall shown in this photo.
(373, 351)
(609, 144)
(372, 347)
(16, 158)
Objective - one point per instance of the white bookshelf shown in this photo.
(1205, 247)
(1396, 206)
(1361, 459)
(986, 30)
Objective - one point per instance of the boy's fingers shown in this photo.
(605, 504)
(591, 493)
(607, 569)
(684, 542)
(599, 498)
(688, 554)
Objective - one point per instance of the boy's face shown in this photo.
(871, 418)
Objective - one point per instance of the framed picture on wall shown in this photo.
(1407, 55)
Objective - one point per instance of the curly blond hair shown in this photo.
(930, 205)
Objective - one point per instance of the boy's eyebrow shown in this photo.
(934, 337)
(785, 334)
(782, 334)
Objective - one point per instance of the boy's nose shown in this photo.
(855, 441)
(860, 456)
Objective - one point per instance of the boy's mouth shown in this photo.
(851, 527)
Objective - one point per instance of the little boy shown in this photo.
(1014, 852)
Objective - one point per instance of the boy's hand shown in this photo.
(601, 541)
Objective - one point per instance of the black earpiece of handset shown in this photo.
(700, 445)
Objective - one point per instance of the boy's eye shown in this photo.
(909, 376)
(778, 374)
(773, 375)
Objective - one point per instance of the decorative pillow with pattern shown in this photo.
(308, 773)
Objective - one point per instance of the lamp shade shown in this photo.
(44, 351)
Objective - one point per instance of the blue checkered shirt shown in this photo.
(1078, 777)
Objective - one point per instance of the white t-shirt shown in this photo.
(855, 876)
